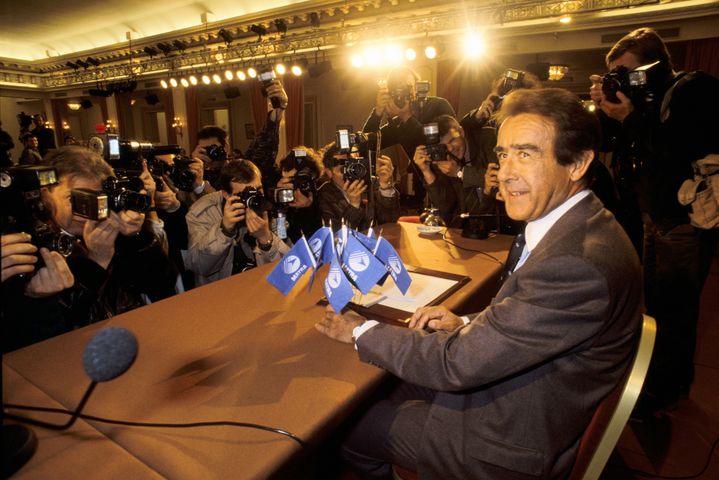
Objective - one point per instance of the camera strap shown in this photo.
(680, 79)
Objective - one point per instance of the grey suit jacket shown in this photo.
(518, 385)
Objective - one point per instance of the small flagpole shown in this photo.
(376, 245)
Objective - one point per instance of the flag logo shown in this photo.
(292, 264)
(334, 277)
(395, 264)
(316, 246)
(358, 261)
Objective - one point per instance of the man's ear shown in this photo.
(581, 165)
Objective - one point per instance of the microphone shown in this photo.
(108, 354)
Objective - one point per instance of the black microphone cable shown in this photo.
(223, 423)
(481, 252)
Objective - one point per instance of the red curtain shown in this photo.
(59, 115)
(702, 55)
(169, 105)
(259, 106)
(192, 115)
(449, 82)
(295, 114)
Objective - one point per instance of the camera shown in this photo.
(179, 172)
(304, 182)
(89, 204)
(267, 78)
(437, 151)
(216, 153)
(284, 196)
(363, 142)
(123, 194)
(640, 84)
(357, 169)
(422, 89)
(254, 198)
(512, 79)
(400, 96)
(24, 211)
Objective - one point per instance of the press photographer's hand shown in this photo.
(383, 99)
(385, 171)
(100, 238)
(354, 191)
(17, 255)
(490, 178)
(258, 226)
(233, 213)
(53, 278)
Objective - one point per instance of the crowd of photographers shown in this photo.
(88, 234)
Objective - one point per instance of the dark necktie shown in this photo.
(514, 255)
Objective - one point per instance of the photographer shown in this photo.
(300, 171)
(30, 309)
(229, 230)
(45, 135)
(118, 262)
(6, 145)
(200, 186)
(341, 199)
(397, 102)
(30, 154)
(213, 147)
(658, 125)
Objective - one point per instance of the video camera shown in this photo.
(437, 151)
(640, 84)
(24, 211)
(267, 78)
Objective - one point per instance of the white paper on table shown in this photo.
(422, 290)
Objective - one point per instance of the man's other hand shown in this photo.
(436, 318)
(339, 327)
(17, 255)
(53, 278)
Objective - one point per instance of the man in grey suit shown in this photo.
(507, 393)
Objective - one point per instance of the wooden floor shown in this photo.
(677, 444)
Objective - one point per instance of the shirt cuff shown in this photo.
(387, 192)
(359, 330)
(465, 319)
(199, 189)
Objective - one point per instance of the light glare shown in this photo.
(296, 70)
(280, 69)
(410, 54)
(252, 72)
(474, 45)
(430, 52)
(193, 80)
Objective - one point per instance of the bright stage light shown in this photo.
(410, 54)
(229, 75)
(216, 78)
(184, 82)
(206, 79)
(357, 60)
(193, 80)
(474, 45)
(251, 72)
(430, 52)
(173, 82)
(241, 75)
(280, 69)
(296, 70)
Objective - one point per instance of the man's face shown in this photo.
(58, 199)
(38, 121)
(531, 180)
(337, 172)
(628, 60)
(31, 142)
(239, 187)
(457, 147)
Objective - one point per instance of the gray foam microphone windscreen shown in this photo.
(109, 353)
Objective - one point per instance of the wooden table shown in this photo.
(235, 350)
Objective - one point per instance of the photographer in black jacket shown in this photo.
(657, 128)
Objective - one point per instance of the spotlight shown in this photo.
(184, 82)
(474, 45)
(181, 45)
(82, 64)
(315, 19)
(93, 61)
(410, 54)
(281, 26)
(372, 57)
(86, 104)
(430, 52)
(229, 75)
(296, 70)
(216, 78)
(206, 79)
(258, 29)
(151, 51)
(251, 72)
(152, 99)
(357, 60)
(280, 69)
(72, 65)
(173, 82)
(166, 48)
(225, 35)
(193, 80)
(163, 83)
(565, 19)
(393, 55)
(241, 75)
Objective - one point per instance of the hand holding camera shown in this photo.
(129, 222)
(385, 171)
(258, 226)
(383, 99)
(53, 278)
(166, 199)
(619, 109)
(100, 239)
(354, 191)
(233, 213)
(272, 88)
(18, 255)
(491, 181)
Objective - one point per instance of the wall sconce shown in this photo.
(557, 72)
(177, 125)
(110, 126)
(65, 125)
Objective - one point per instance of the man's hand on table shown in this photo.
(339, 327)
(436, 318)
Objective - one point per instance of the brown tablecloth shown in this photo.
(239, 350)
